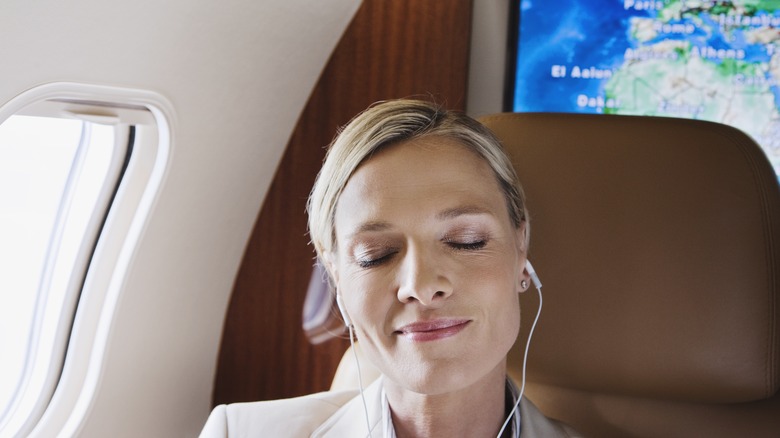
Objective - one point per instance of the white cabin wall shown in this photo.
(235, 76)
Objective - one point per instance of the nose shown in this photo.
(423, 278)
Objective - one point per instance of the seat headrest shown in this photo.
(658, 243)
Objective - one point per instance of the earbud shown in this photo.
(343, 312)
(532, 272)
(538, 284)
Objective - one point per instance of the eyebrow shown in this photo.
(371, 226)
(449, 213)
(452, 213)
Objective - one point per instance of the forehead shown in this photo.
(420, 177)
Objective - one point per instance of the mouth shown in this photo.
(421, 331)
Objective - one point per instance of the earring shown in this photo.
(524, 284)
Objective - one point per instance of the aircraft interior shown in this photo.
(180, 275)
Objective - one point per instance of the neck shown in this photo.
(474, 410)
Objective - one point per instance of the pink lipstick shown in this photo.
(433, 330)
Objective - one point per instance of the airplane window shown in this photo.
(56, 176)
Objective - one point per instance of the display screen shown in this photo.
(709, 60)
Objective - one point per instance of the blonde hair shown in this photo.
(393, 122)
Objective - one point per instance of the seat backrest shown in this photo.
(658, 244)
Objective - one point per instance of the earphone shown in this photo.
(537, 284)
(532, 272)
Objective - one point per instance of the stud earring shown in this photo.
(524, 284)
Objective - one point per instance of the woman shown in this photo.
(419, 218)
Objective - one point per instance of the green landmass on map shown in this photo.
(674, 77)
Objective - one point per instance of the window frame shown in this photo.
(79, 333)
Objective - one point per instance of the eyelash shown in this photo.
(370, 263)
(469, 246)
(366, 264)
(459, 246)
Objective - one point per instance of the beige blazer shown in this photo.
(336, 414)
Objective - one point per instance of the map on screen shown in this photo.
(709, 60)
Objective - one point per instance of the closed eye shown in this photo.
(468, 246)
(368, 262)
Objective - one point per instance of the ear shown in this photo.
(523, 281)
(523, 277)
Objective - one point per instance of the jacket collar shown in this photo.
(350, 420)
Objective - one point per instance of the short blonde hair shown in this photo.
(392, 122)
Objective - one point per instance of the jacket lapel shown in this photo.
(350, 420)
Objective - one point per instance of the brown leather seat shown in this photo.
(658, 244)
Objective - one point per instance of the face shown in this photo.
(429, 265)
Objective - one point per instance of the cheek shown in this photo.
(492, 273)
(494, 288)
(367, 299)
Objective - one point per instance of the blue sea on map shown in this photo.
(592, 33)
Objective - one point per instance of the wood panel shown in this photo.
(393, 48)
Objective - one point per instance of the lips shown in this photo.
(432, 330)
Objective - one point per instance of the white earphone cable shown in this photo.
(525, 360)
(360, 379)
